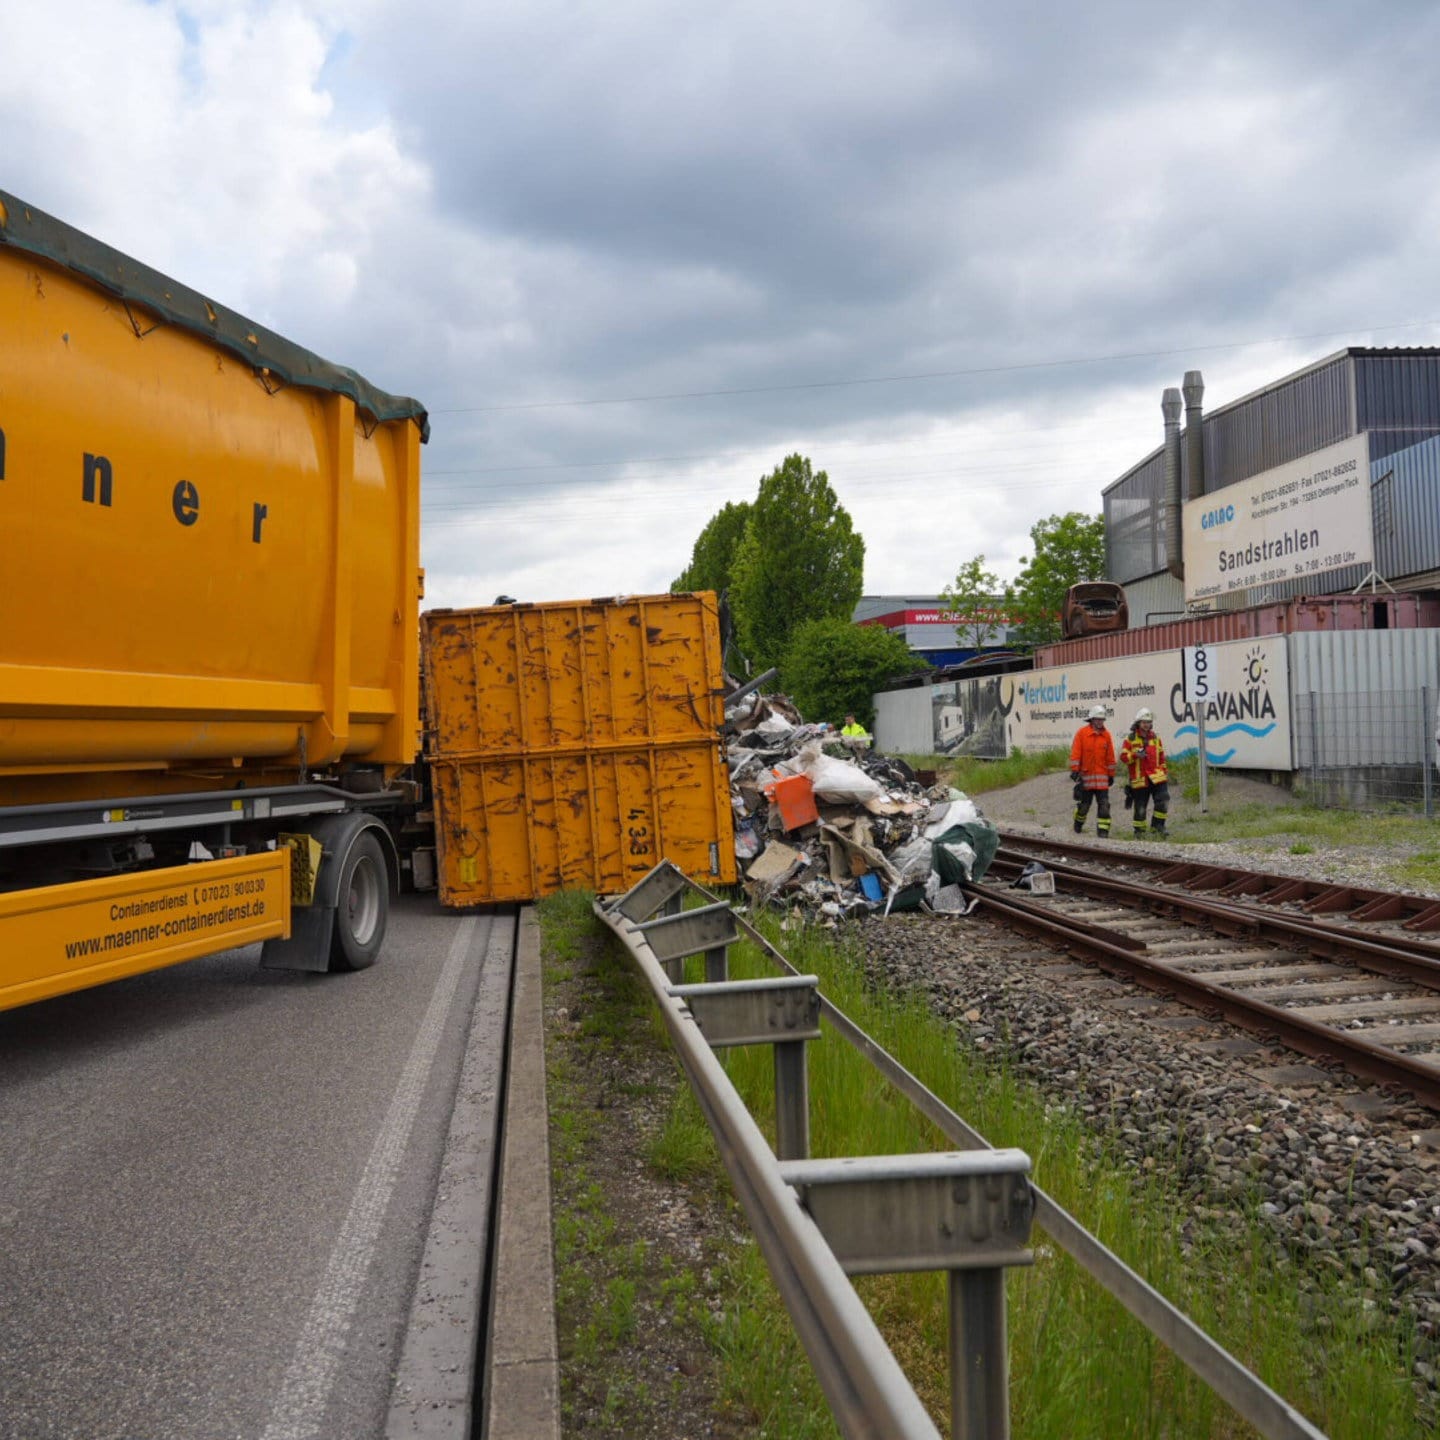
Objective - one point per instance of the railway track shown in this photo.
(1350, 979)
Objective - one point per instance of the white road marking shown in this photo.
(310, 1378)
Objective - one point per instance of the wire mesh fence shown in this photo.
(1368, 752)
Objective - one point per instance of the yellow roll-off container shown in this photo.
(576, 745)
(211, 538)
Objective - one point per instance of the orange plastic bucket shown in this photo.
(795, 796)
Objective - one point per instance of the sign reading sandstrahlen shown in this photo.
(1295, 521)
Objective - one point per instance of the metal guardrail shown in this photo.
(818, 1222)
(868, 1393)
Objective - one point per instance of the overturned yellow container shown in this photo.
(575, 745)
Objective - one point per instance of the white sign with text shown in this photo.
(1247, 717)
(1295, 521)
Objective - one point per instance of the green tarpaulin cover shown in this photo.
(25, 228)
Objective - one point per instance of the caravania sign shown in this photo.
(1247, 721)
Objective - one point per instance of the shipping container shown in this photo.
(209, 666)
(1383, 611)
(576, 745)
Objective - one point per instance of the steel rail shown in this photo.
(1243, 1391)
(868, 1392)
(1415, 912)
(1397, 956)
(1310, 1037)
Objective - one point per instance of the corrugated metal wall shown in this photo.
(1155, 598)
(1382, 611)
(1389, 667)
(1405, 499)
(1306, 413)
(1135, 521)
(1397, 399)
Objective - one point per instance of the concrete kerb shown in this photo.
(434, 1390)
(523, 1399)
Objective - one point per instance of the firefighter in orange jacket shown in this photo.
(1092, 768)
(1143, 755)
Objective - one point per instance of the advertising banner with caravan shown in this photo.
(1247, 725)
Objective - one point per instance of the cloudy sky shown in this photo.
(632, 254)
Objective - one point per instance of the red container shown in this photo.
(1404, 611)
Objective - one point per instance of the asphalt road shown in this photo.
(215, 1183)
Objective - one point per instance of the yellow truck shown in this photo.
(209, 659)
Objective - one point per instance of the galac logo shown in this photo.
(1211, 518)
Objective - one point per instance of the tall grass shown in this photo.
(974, 776)
(1080, 1366)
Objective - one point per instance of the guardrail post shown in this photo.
(783, 1013)
(673, 936)
(792, 1101)
(717, 965)
(979, 1355)
(967, 1212)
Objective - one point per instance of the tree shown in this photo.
(973, 596)
(712, 558)
(833, 667)
(800, 559)
(1068, 549)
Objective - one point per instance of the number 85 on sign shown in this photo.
(1198, 673)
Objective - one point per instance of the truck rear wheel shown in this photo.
(363, 908)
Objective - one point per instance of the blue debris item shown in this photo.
(870, 885)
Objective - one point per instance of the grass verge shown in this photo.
(645, 1233)
(1080, 1367)
(975, 777)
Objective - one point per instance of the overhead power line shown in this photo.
(970, 372)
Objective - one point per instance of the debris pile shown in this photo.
(829, 828)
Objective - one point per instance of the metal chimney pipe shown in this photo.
(1194, 435)
(1170, 409)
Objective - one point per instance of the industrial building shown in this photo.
(1260, 457)
(1295, 532)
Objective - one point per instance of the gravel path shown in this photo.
(1328, 1160)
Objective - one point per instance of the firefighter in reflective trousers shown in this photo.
(1092, 768)
(1143, 755)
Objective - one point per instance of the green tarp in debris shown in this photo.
(981, 836)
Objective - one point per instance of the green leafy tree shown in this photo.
(714, 554)
(1068, 549)
(974, 595)
(834, 667)
(800, 559)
